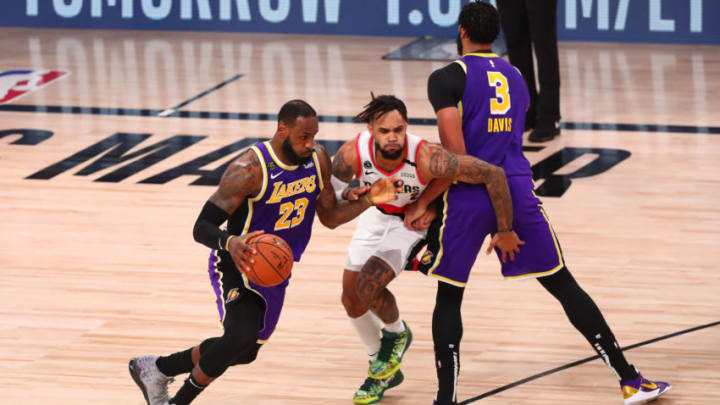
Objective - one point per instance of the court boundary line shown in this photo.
(582, 361)
(172, 110)
(341, 119)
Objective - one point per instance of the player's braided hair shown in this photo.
(293, 109)
(379, 106)
(481, 22)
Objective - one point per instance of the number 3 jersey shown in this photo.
(285, 205)
(492, 99)
(368, 172)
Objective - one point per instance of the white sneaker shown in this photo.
(152, 382)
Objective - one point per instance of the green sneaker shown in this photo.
(392, 348)
(372, 389)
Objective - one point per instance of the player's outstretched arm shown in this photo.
(241, 179)
(332, 212)
(451, 137)
(436, 162)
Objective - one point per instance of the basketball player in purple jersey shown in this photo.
(480, 101)
(276, 186)
(381, 244)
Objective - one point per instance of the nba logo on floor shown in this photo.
(16, 83)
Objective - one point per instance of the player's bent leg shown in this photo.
(363, 320)
(243, 321)
(586, 317)
(371, 285)
(247, 356)
(352, 303)
(447, 332)
(368, 327)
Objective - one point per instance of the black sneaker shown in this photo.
(544, 134)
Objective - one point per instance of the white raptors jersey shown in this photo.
(368, 172)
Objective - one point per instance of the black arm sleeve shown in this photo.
(207, 227)
(446, 86)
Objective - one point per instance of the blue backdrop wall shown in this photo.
(664, 21)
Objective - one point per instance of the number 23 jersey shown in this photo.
(285, 205)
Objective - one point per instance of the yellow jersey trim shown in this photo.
(482, 54)
(249, 287)
(259, 195)
(318, 169)
(276, 159)
(448, 280)
(440, 251)
(220, 284)
(555, 269)
(462, 64)
(460, 110)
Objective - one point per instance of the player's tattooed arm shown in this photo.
(332, 212)
(370, 287)
(344, 169)
(241, 179)
(436, 162)
(344, 164)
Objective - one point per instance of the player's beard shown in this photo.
(293, 157)
(458, 42)
(389, 155)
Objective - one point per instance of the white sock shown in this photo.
(369, 332)
(396, 327)
(376, 319)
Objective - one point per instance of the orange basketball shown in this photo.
(273, 260)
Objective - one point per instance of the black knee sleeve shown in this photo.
(238, 345)
(248, 356)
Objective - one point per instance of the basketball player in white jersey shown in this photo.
(382, 245)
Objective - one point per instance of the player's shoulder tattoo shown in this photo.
(342, 168)
(243, 177)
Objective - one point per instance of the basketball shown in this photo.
(273, 260)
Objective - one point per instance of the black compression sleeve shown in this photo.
(446, 86)
(207, 227)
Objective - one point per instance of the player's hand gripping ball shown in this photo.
(273, 260)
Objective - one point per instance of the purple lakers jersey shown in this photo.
(493, 110)
(285, 205)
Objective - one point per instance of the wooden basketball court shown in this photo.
(98, 264)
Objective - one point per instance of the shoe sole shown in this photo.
(650, 398)
(399, 378)
(391, 372)
(135, 374)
